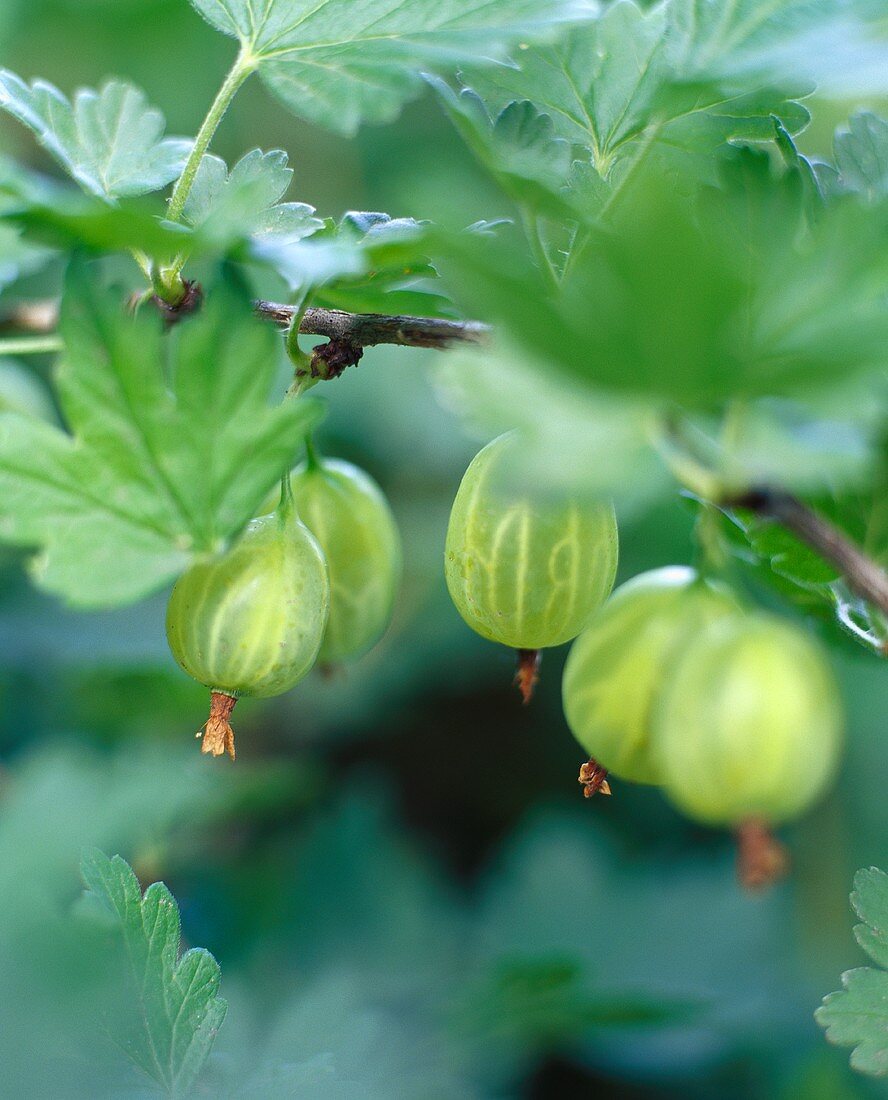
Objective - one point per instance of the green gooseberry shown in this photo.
(345, 510)
(251, 620)
(526, 567)
(618, 665)
(749, 724)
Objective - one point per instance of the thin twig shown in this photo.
(366, 329)
(360, 329)
(863, 576)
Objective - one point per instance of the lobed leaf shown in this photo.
(227, 206)
(338, 63)
(110, 141)
(176, 1010)
(857, 1015)
(156, 471)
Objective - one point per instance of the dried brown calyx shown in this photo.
(527, 672)
(594, 778)
(218, 736)
(761, 859)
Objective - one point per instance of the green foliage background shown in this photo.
(403, 887)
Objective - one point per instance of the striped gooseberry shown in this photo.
(251, 620)
(617, 666)
(345, 510)
(526, 567)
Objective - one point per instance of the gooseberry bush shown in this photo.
(681, 301)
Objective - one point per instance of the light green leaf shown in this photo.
(110, 141)
(246, 201)
(362, 245)
(662, 301)
(862, 155)
(175, 1010)
(339, 63)
(154, 473)
(857, 1015)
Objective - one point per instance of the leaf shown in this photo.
(155, 473)
(662, 302)
(364, 247)
(857, 1015)
(862, 155)
(176, 1010)
(338, 63)
(518, 147)
(616, 84)
(227, 206)
(110, 141)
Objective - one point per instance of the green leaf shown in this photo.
(364, 247)
(155, 472)
(175, 1011)
(246, 201)
(662, 302)
(338, 63)
(518, 147)
(862, 155)
(626, 80)
(857, 1015)
(110, 141)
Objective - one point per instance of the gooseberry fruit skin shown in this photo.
(348, 514)
(749, 723)
(618, 665)
(251, 621)
(523, 568)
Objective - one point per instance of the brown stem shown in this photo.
(527, 673)
(761, 859)
(594, 778)
(864, 577)
(218, 736)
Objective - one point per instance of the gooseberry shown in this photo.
(526, 567)
(345, 510)
(251, 621)
(618, 664)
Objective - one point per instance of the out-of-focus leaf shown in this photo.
(857, 1015)
(150, 477)
(576, 439)
(695, 298)
(111, 142)
(173, 1002)
(339, 64)
(862, 155)
(21, 392)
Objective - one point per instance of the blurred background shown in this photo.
(406, 892)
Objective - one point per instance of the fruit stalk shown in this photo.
(761, 859)
(218, 736)
(527, 672)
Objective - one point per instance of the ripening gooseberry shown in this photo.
(526, 568)
(748, 725)
(251, 621)
(619, 663)
(345, 510)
